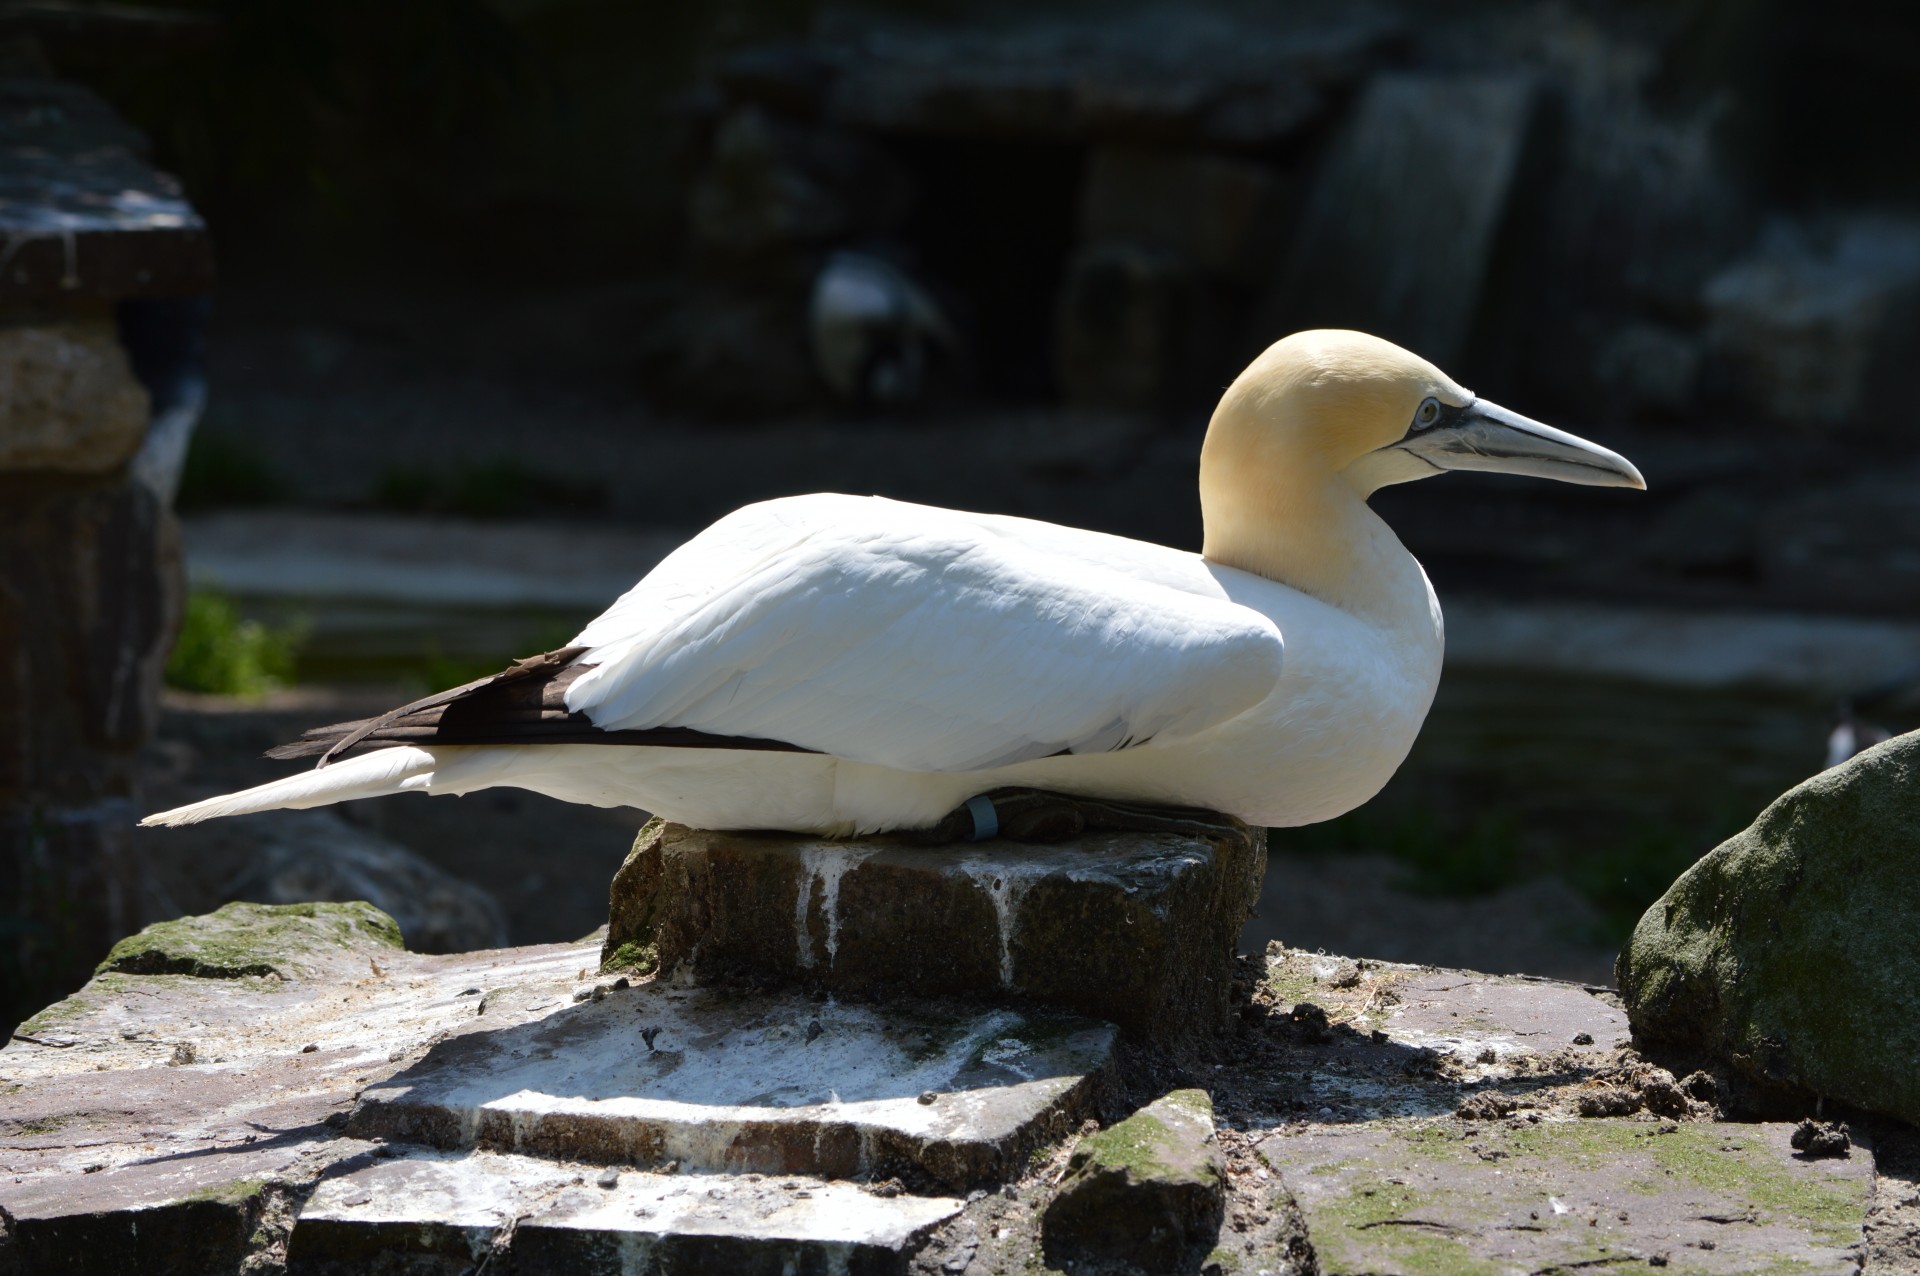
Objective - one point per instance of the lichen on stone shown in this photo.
(1789, 954)
(240, 939)
(632, 957)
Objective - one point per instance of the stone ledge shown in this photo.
(426, 1208)
(1134, 928)
(120, 1156)
(945, 1099)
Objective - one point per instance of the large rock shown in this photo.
(239, 940)
(68, 397)
(1789, 955)
(89, 598)
(1148, 1191)
(1137, 929)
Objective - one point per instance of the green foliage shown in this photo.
(1625, 877)
(503, 488)
(637, 958)
(221, 653)
(222, 471)
(1441, 858)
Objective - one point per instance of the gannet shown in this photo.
(843, 665)
(874, 331)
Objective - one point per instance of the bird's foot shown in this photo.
(1037, 815)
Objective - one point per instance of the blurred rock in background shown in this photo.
(291, 857)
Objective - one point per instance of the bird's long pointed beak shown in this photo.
(1486, 436)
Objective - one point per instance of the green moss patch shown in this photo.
(1789, 954)
(241, 939)
(632, 958)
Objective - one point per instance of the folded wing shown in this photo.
(917, 639)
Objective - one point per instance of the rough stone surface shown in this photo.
(1411, 269)
(1136, 929)
(68, 397)
(1147, 1191)
(281, 940)
(87, 608)
(1789, 954)
(81, 214)
(778, 1085)
(1515, 1195)
(430, 1209)
(1412, 1121)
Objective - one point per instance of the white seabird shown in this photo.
(841, 665)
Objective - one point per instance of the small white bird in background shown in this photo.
(875, 332)
(842, 665)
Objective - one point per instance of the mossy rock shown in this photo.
(1146, 1193)
(238, 940)
(1790, 955)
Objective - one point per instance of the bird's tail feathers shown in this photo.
(365, 775)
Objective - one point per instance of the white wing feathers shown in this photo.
(917, 639)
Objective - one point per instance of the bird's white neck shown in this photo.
(1292, 520)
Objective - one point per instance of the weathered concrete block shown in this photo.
(1149, 1191)
(1137, 929)
(1790, 953)
(1514, 1196)
(68, 397)
(430, 1211)
(713, 1081)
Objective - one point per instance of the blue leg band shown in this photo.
(986, 820)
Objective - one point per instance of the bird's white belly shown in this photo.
(1339, 722)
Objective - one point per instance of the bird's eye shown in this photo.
(1427, 414)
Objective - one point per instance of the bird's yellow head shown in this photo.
(1353, 405)
(1323, 419)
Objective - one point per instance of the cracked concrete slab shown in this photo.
(1556, 1194)
(545, 1216)
(944, 1096)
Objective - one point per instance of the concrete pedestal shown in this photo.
(1137, 929)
